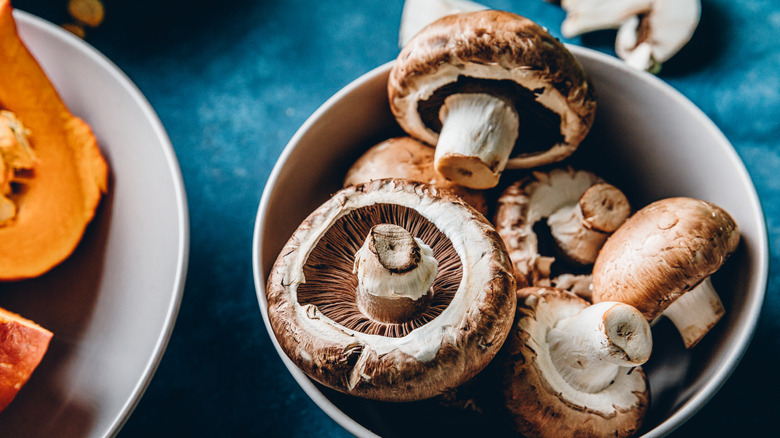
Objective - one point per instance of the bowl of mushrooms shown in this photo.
(497, 232)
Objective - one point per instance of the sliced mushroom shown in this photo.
(649, 33)
(405, 157)
(351, 302)
(491, 90)
(659, 261)
(573, 369)
(419, 13)
(581, 211)
(650, 39)
(583, 16)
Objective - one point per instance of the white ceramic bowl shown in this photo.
(113, 303)
(647, 139)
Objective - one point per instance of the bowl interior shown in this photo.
(112, 304)
(647, 139)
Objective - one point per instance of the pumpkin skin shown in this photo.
(23, 344)
(60, 198)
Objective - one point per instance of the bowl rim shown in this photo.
(27, 20)
(687, 409)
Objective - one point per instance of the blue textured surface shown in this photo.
(233, 80)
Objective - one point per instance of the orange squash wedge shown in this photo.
(23, 344)
(57, 198)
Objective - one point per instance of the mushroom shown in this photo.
(352, 302)
(491, 90)
(581, 211)
(405, 157)
(573, 369)
(419, 13)
(649, 33)
(650, 39)
(661, 258)
(576, 284)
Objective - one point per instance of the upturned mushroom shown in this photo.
(405, 157)
(573, 369)
(491, 90)
(660, 261)
(649, 33)
(392, 290)
(580, 208)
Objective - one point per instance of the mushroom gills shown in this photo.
(329, 267)
(581, 211)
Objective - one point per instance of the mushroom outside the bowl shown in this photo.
(491, 90)
(419, 13)
(573, 369)
(649, 32)
(405, 157)
(581, 210)
(351, 302)
(660, 261)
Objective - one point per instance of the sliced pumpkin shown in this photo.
(56, 199)
(23, 344)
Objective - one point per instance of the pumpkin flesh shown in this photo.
(57, 198)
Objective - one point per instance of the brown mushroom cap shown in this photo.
(405, 157)
(502, 54)
(664, 250)
(539, 401)
(311, 295)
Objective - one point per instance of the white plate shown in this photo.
(113, 303)
(648, 140)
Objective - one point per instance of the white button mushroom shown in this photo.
(659, 261)
(573, 369)
(392, 290)
(491, 90)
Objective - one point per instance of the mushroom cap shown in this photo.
(539, 401)
(664, 250)
(503, 54)
(527, 201)
(405, 157)
(332, 345)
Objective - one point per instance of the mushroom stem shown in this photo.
(395, 273)
(589, 347)
(696, 312)
(477, 136)
(580, 229)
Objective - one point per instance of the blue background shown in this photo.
(233, 80)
